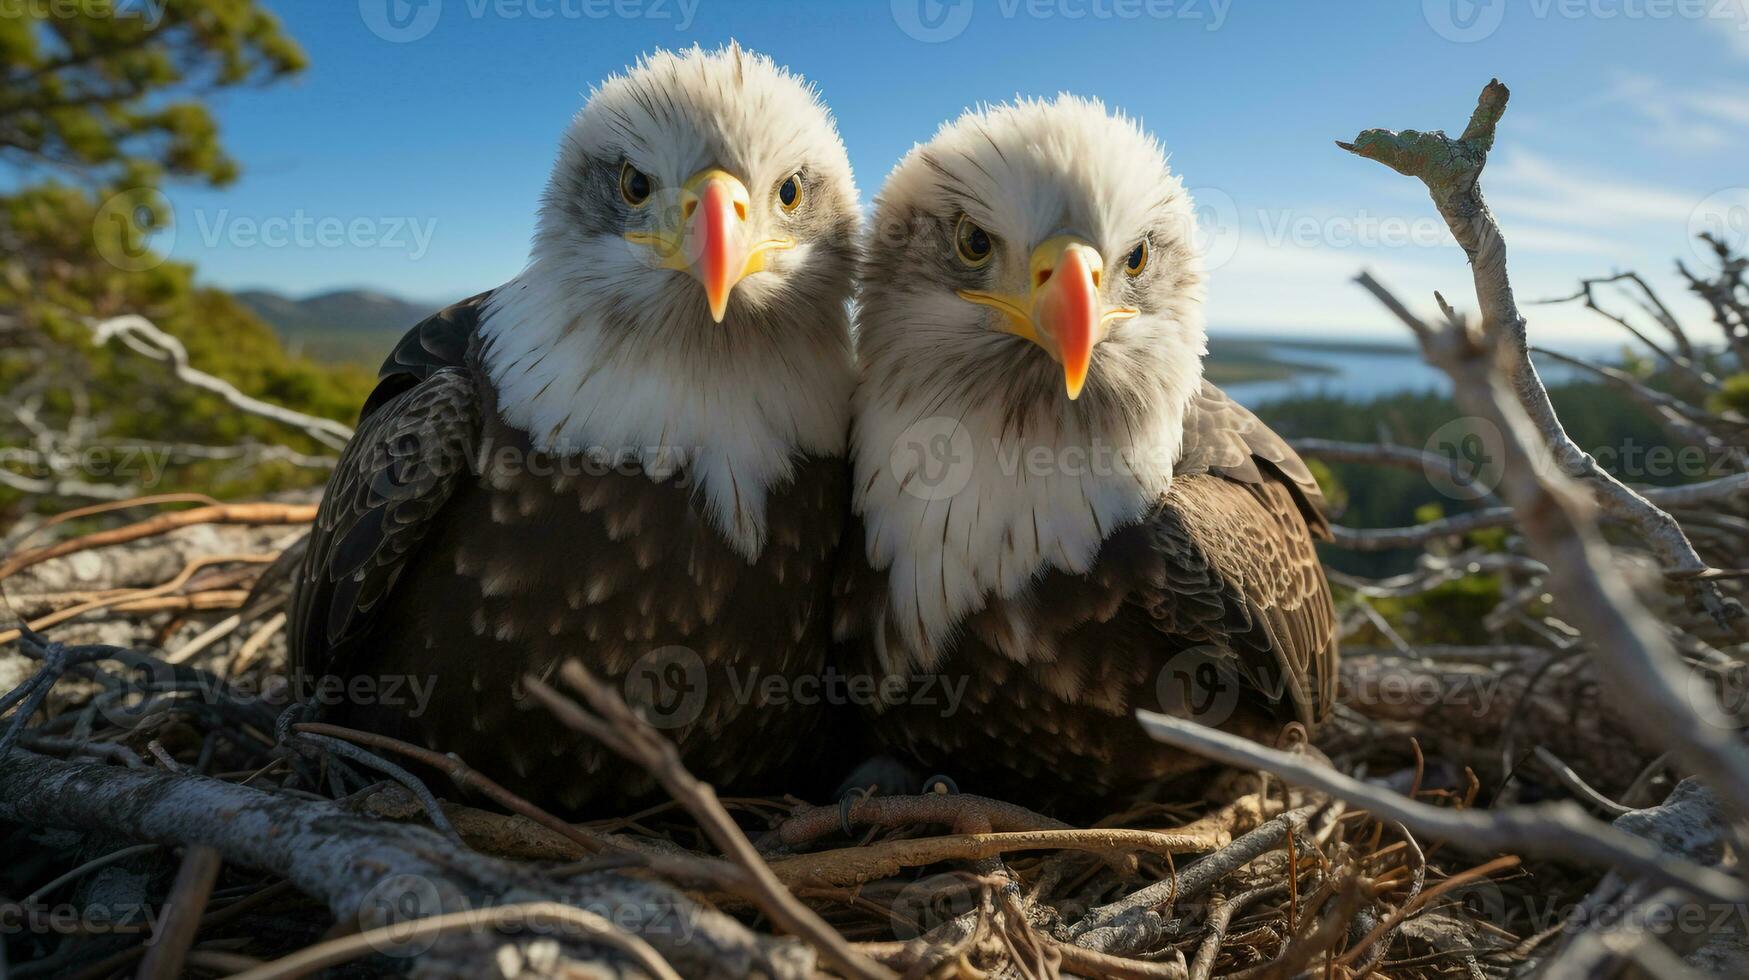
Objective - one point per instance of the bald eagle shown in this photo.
(1050, 502)
(633, 453)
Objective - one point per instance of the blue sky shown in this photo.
(428, 136)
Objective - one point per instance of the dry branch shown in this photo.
(348, 860)
(1634, 654)
(142, 336)
(1280, 900)
(1553, 831)
(615, 725)
(250, 513)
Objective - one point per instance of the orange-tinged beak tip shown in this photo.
(716, 266)
(1069, 312)
(1074, 379)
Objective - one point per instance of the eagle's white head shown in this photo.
(1031, 331)
(686, 297)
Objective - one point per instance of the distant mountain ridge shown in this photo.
(357, 326)
(361, 326)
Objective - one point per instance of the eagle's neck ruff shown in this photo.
(737, 420)
(1030, 504)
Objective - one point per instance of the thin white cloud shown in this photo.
(1731, 20)
(1527, 184)
(1311, 291)
(1689, 117)
(1727, 106)
(1529, 237)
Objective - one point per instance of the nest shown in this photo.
(166, 817)
(171, 815)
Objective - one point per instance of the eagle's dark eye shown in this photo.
(972, 243)
(1138, 259)
(789, 193)
(634, 186)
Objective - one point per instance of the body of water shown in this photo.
(1362, 375)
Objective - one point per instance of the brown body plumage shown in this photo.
(455, 559)
(1054, 512)
(1213, 606)
(632, 454)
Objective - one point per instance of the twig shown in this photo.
(251, 513)
(86, 868)
(1451, 170)
(1420, 901)
(1577, 786)
(213, 634)
(92, 510)
(1380, 938)
(522, 915)
(617, 727)
(468, 777)
(151, 599)
(869, 862)
(1635, 656)
(346, 859)
(143, 336)
(184, 909)
(1707, 492)
(1683, 362)
(1320, 939)
(1554, 831)
(408, 781)
(808, 825)
(1220, 917)
(1400, 457)
(1126, 925)
(1716, 433)
(1092, 963)
(263, 635)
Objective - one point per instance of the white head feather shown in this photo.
(597, 348)
(946, 397)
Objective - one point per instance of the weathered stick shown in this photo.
(1451, 170)
(1554, 831)
(1635, 655)
(615, 725)
(348, 860)
(255, 513)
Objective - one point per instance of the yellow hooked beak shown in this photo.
(1063, 312)
(708, 237)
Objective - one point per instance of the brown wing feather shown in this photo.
(1242, 514)
(1223, 437)
(1242, 576)
(414, 442)
(1222, 569)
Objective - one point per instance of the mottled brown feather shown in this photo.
(448, 554)
(1219, 588)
